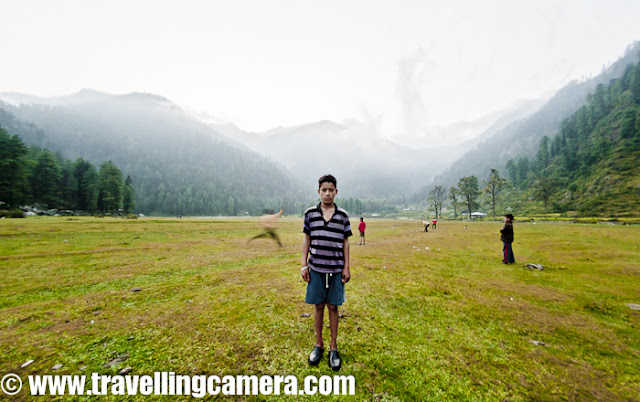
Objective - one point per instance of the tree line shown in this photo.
(37, 176)
(356, 206)
(466, 194)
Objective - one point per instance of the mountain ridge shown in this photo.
(178, 164)
(523, 136)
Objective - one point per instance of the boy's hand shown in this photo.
(346, 275)
(305, 275)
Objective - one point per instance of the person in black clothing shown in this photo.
(506, 236)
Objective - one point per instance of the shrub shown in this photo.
(13, 213)
(560, 208)
(131, 216)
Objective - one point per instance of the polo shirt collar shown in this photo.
(320, 208)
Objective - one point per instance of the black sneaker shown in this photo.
(334, 360)
(315, 355)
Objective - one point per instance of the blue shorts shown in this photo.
(325, 288)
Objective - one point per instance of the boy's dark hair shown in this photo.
(510, 216)
(327, 178)
(361, 218)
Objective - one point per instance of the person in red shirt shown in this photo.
(434, 223)
(361, 228)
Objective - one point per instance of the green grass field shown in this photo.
(444, 323)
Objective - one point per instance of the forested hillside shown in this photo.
(35, 176)
(522, 137)
(178, 165)
(592, 165)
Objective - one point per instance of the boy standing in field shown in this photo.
(325, 265)
(506, 236)
(361, 227)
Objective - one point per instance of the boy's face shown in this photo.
(327, 193)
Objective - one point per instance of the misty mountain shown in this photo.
(466, 133)
(178, 164)
(522, 137)
(366, 165)
(28, 132)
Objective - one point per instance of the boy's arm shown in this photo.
(346, 272)
(306, 243)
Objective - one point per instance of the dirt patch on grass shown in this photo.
(577, 380)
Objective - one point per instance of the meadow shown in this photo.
(428, 316)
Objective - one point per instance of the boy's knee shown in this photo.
(320, 307)
(332, 307)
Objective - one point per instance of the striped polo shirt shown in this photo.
(326, 251)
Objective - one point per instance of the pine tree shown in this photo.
(523, 170)
(68, 190)
(45, 180)
(128, 199)
(14, 187)
(542, 158)
(111, 187)
(86, 176)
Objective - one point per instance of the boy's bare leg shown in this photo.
(334, 317)
(318, 318)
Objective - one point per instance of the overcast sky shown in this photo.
(408, 67)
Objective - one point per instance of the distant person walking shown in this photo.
(269, 222)
(361, 227)
(506, 236)
(434, 223)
